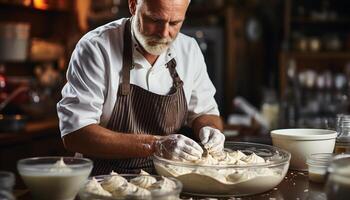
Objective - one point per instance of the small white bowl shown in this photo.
(301, 143)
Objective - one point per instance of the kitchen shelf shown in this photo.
(34, 8)
(304, 20)
(199, 11)
(319, 55)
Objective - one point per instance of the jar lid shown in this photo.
(320, 159)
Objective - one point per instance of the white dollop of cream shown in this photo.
(207, 160)
(241, 176)
(211, 172)
(124, 190)
(177, 170)
(164, 185)
(142, 193)
(144, 180)
(238, 155)
(60, 167)
(143, 172)
(92, 186)
(113, 182)
(113, 173)
(253, 159)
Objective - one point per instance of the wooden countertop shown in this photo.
(294, 186)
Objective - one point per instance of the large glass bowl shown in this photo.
(212, 180)
(167, 195)
(48, 180)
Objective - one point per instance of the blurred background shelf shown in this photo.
(319, 55)
(38, 5)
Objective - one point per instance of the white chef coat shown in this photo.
(93, 77)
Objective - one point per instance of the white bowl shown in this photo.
(301, 143)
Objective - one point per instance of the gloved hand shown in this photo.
(178, 147)
(212, 139)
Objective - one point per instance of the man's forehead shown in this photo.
(159, 1)
(164, 4)
(164, 8)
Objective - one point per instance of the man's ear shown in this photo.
(132, 6)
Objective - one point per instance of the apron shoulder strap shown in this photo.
(127, 59)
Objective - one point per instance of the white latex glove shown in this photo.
(178, 147)
(212, 139)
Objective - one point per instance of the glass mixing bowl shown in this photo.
(155, 195)
(54, 178)
(230, 179)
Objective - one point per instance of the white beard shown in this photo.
(159, 45)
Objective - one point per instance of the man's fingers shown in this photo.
(183, 155)
(204, 136)
(194, 144)
(216, 149)
(216, 138)
(192, 151)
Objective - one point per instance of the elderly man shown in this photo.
(132, 84)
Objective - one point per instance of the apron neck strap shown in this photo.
(127, 59)
(177, 82)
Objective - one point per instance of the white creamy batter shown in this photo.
(224, 180)
(54, 182)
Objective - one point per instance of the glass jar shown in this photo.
(7, 181)
(317, 166)
(338, 183)
(342, 144)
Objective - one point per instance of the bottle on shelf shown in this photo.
(290, 104)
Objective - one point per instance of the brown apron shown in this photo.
(138, 111)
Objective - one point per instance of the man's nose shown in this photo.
(164, 30)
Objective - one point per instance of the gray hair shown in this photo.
(139, 1)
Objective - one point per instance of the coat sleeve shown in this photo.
(84, 93)
(202, 100)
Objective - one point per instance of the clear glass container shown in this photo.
(230, 179)
(317, 166)
(54, 178)
(166, 195)
(6, 195)
(343, 140)
(7, 181)
(338, 183)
